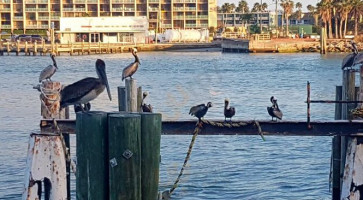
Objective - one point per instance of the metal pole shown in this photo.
(308, 105)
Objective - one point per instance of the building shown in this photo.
(162, 14)
(103, 29)
(231, 20)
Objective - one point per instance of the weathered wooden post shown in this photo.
(124, 132)
(89, 47)
(57, 52)
(150, 154)
(44, 50)
(121, 91)
(8, 48)
(99, 47)
(46, 162)
(92, 159)
(322, 38)
(139, 99)
(17, 48)
(1, 49)
(131, 95)
(35, 48)
(336, 154)
(82, 47)
(26, 48)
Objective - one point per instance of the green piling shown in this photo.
(124, 132)
(92, 159)
(150, 154)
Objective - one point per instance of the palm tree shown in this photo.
(356, 11)
(256, 7)
(242, 7)
(336, 5)
(324, 8)
(288, 6)
(264, 6)
(344, 12)
(228, 8)
(298, 6)
(314, 14)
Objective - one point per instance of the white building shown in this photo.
(103, 29)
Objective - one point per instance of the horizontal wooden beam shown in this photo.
(286, 128)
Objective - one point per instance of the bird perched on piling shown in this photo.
(49, 70)
(144, 106)
(80, 108)
(348, 61)
(274, 110)
(228, 112)
(200, 110)
(87, 89)
(131, 68)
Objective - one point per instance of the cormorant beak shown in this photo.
(101, 70)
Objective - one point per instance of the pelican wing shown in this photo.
(74, 92)
(129, 70)
(47, 72)
(358, 59)
(277, 112)
(348, 61)
(195, 109)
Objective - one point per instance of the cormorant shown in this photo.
(228, 112)
(144, 106)
(200, 110)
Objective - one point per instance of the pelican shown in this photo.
(131, 68)
(358, 59)
(79, 107)
(200, 110)
(349, 60)
(274, 110)
(87, 89)
(228, 112)
(49, 70)
(144, 106)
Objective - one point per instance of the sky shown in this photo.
(271, 3)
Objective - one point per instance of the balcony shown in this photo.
(203, 25)
(190, 17)
(42, 9)
(129, 1)
(5, 26)
(18, 17)
(5, 9)
(190, 8)
(80, 9)
(117, 1)
(5, 1)
(179, 8)
(30, 9)
(79, 1)
(67, 9)
(44, 26)
(202, 16)
(189, 1)
(42, 1)
(117, 9)
(153, 9)
(154, 1)
(190, 25)
(43, 17)
(178, 17)
(165, 25)
(129, 9)
(178, 1)
(54, 17)
(91, 1)
(30, 1)
(31, 26)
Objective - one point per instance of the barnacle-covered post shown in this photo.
(47, 153)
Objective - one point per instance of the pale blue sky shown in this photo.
(269, 2)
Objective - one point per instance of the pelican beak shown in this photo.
(101, 70)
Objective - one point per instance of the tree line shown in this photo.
(333, 15)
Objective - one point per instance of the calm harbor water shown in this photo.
(221, 167)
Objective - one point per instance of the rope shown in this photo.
(167, 194)
(46, 93)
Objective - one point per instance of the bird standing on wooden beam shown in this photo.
(349, 60)
(228, 112)
(200, 110)
(131, 68)
(144, 106)
(274, 110)
(49, 70)
(87, 89)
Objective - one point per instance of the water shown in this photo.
(221, 167)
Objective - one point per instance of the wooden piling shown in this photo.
(360, 94)
(92, 159)
(139, 99)
(121, 91)
(89, 48)
(131, 95)
(26, 48)
(82, 47)
(99, 47)
(35, 48)
(50, 100)
(336, 151)
(150, 154)
(8, 47)
(17, 47)
(124, 132)
(44, 50)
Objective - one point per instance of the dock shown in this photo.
(88, 48)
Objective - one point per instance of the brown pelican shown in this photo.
(200, 110)
(228, 112)
(48, 71)
(87, 89)
(349, 60)
(274, 110)
(144, 106)
(131, 68)
(358, 59)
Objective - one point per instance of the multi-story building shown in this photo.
(162, 14)
(268, 19)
